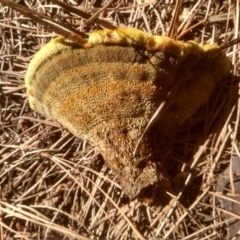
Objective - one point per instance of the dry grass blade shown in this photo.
(61, 29)
(84, 14)
(55, 186)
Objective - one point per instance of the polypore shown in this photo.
(107, 91)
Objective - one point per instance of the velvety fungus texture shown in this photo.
(108, 90)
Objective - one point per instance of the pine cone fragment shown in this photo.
(107, 90)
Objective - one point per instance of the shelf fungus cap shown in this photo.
(108, 90)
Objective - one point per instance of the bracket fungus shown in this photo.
(108, 89)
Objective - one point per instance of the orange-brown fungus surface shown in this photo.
(107, 90)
